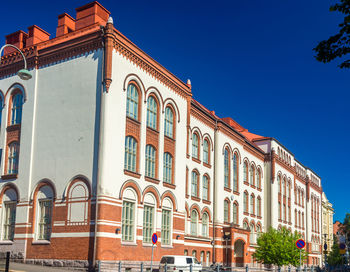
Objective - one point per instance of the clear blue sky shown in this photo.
(250, 60)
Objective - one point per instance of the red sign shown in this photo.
(154, 238)
(300, 243)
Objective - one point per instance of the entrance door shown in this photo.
(239, 253)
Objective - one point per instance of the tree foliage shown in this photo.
(345, 228)
(338, 45)
(278, 247)
(334, 257)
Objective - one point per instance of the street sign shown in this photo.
(342, 251)
(342, 246)
(325, 246)
(154, 238)
(300, 243)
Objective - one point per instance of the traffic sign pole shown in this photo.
(152, 257)
(300, 243)
(154, 241)
(300, 260)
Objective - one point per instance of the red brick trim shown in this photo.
(228, 190)
(168, 185)
(207, 165)
(206, 201)
(170, 195)
(151, 189)
(132, 185)
(9, 176)
(132, 174)
(196, 160)
(194, 198)
(7, 187)
(153, 180)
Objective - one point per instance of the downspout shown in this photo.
(107, 43)
(214, 190)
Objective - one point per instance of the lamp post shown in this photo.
(23, 73)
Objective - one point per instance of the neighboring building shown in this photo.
(104, 146)
(327, 223)
(338, 229)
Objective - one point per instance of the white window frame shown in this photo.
(130, 155)
(132, 102)
(166, 240)
(152, 110)
(9, 222)
(169, 123)
(150, 161)
(128, 223)
(44, 225)
(148, 223)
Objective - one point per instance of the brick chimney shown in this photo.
(66, 24)
(19, 39)
(36, 35)
(90, 14)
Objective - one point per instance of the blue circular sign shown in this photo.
(300, 243)
(154, 238)
(342, 246)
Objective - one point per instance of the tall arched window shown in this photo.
(205, 194)
(130, 154)
(169, 123)
(226, 211)
(194, 222)
(235, 213)
(258, 178)
(279, 210)
(44, 212)
(284, 187)
(9, 203)
(258, 207)
(245, 202)
(16, 111)
(151, 112)
(167, 169)
(252, 175)
(194, 187)
(205, 225)
(132, 102)
(166, 224)
(245, 172)
(226, 168)
(148, 218)
(279, 184)
(13, 155)
(206, 151)
(252, 200)
(195, 153)
(150, 162)
(235, 172)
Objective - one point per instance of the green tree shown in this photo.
(345, 228)
(337, 46)
(334, 257)
(278, 247)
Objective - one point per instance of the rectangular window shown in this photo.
(166, 225)
(148, 212)
(205, 188)
(128, 221)
(45, 217)
(9, 220)
(194, 191)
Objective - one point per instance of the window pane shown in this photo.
(165, 230)
(194, 191)
(205, 187)
(130, 154)
(167, 168)
(168, 122)
(226, 169)
(45, 213)
(148, 212)
(235, 172)
(16, 111)
(151, 113)
(195, 146)
(194, 221)
(150, 161)
(128, 221)
(206, 152)
(9, 220)
(225, 211)
(13, 154)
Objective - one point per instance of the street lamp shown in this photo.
(23, 73)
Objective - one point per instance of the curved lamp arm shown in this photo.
(23, 73)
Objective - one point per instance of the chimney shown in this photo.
(90, 14)
(66, 24)
(36, 35)
(18, 39)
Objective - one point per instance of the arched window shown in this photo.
(44, 212)
(78, 206)
(202, 257)
(235, 213)
(166, 221)
(130, 154)
(185, 252)
(245, 225)
(296, 218)
(9, 203)
(252, 175)
(13, 155)
(16, 111)
(194, 253)
(208, 259)
(132, 102)
(226, 211)
(226, 168)
(150, 161)
(205, 225)
(258, 228)
(279, 210)
(151, 112)
(288, 189)
(195, 153)
(206, 151)
(205, 188)
(167, 169)
(284, 212)
(284, 187)
(194, 222)
(245, 202)
(194, 187)
(279, 184)
(169, 123)
(245, 172)
(258, 206)
(148, 218)
(252, 200)
(235, 172)
(303, 219)
(258, 178)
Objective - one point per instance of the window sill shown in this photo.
(13, 127)
(6, 242)
(41, 242)
(195, 198)
(208, 202)
(152, 130)
(259, 217)
(125, 243)
(9, 176)
(170, 139)
(166, 246)
(252, 215)
(196, 160)
(169, 185)
(198, 238)
(253, 186)
(153, 180)
(132, 174)
(227, 189)
(259, 189)
(245, 213)
(236, 193)
(206, 165)
(245, 183)
(133, 120)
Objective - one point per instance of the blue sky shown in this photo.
(250, 60)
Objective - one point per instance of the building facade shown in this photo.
(327, 224)
(104, 146)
